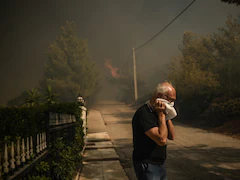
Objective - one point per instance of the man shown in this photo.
(150, 133)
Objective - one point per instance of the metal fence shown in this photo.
(19, 159)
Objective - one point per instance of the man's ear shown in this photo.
(154, 97)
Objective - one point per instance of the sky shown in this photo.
(112, 28)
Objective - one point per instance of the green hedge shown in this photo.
(19, 122)
(222, 109)
(23, 122)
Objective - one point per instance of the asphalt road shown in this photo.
(195, 153)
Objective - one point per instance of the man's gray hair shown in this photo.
(163, 87)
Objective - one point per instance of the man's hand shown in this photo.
(159, 134)
(159, 107)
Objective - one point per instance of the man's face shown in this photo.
(170, 96)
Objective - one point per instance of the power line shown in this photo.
(126, 62)
(165, 26)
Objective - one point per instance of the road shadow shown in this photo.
(184, 163)
(189, 163)
(202, 162)
(124, 148)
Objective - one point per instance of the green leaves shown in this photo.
(69, 70)
(227, 44)
(23, 122)
(33, 98)
(208, 68)
(66, 158)
(49, 96)
(43, 167)
(28, 121)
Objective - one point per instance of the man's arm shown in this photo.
(159, 134)
(171, 131)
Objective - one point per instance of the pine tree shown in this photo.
(69, 70)
(208, 68)
(227, 44)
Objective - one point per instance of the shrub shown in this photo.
(222, 110)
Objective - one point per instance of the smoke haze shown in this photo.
(112, 28)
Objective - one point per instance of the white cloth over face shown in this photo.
(170, 110)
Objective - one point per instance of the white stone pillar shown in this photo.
(44, 140)
(23, 159)
(37, 146)
(84, 119)
(6, 163)
(27, 151)
(12, 161)
(31, 147)
(18, 157)
(40, 142)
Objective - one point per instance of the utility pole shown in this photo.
(135, 76)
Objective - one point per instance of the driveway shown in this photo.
(195, 153)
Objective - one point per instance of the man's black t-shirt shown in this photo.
(145, 149)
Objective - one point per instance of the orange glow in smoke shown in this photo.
(112, 69)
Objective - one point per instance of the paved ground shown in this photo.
(195, 154)
(100, 160)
